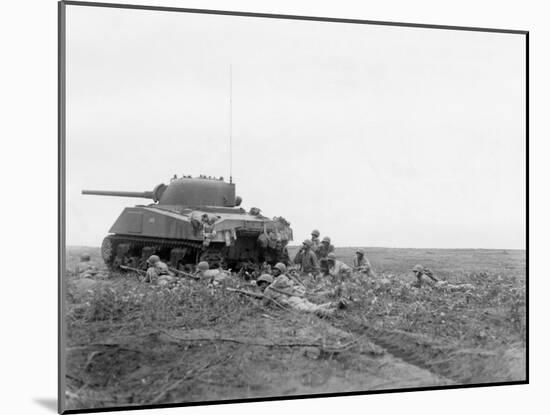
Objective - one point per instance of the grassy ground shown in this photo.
(130, 343)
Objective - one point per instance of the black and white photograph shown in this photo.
(263, 207)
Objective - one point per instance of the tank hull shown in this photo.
(177, 235)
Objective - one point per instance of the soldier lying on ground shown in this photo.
(264, 281)
(362, 264)
(158, 272)
(445, 286)
(85, 266)
(212, 276)
(87, 269)
(284, 291)
(419, 271)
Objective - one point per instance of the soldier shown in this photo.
(208, 231)
(322, 253)
(263, 281)
(337, 269)
(362, 264)
(285, 292)
(87, 269)
(278, 269)
(84, 265)
(418, 271)
(202, 267)
(158, 271)
(306, 258)
(212, 276)
(196, 222)
(315, 239)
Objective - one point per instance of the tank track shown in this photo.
(109, 249)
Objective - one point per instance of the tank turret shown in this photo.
(185, 191)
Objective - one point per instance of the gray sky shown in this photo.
(378, 136)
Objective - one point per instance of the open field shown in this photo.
(130, 343)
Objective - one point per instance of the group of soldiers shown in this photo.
(280, 283)
(316, 256)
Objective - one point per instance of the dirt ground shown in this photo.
(131, 343)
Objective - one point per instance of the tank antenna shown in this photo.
(230, 123)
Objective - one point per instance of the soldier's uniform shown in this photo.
(307, 259)
(158, 271)
(85, 268)
(285, 292)
(315, 241)
(362, 264)
(322, 252)
(212, 276)
(208, 232)
(337, 269)
(418, 271)
(324, 249)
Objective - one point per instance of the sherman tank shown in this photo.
(193, 219)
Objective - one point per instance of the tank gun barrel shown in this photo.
(144, 195)
(156, 194)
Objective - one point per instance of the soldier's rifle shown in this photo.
(257, 296)
(429, 274)
(140, 272)
(183, 273)
(248, 293)
(294, 275)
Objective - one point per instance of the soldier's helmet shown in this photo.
(331, 256)
(203, 266)
(360, 251)
(153, 259)
(307, 243)
(85, 257)
(281, 267)
(418, 268)
(315, 232)
(326, 239)
(265, 278)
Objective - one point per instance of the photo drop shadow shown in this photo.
(48, 403)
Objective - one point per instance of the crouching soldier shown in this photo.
(158, 272)
(362, 264)
(285, 292)
(337, 269)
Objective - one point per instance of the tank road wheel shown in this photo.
(108, 251)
